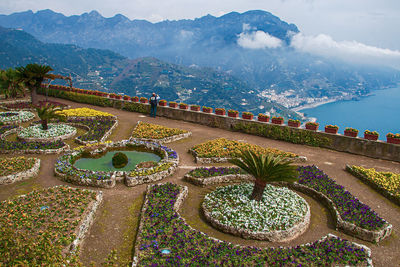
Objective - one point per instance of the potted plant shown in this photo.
(183, 106)
(247, 115)
(135, 99)
(312, 126)
(207, 109)
(277, 120)
(294, 123)
(220, 111)
(162, 103)
(194, 107)
(371, 135)
(350, 132)
(263, 117)
(127, 98)
(173, 104)
(393, 138)
(333, 129)
(112, 95)
(144, 100)
(233, 113)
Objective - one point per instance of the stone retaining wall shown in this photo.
(137, 180)
(219, 179)
(16, 177)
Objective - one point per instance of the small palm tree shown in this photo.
(12, 83)
(48, 112)
(265, 168)
(33, 75)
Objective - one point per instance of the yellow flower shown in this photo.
(83, 112)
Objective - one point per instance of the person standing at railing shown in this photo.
(153, 104)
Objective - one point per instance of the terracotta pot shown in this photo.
(233, 115)
(276, 121)
(294, 124)
(220, 112)
(263, 119)
(127, 98)
(173, 105)
(350, 133)
(207, 110)
(312, 127)
(135, 99)
(247, 117)
(163, 104)
(183, 107)
(371, 137)
(392, 140)
(194, 108)
(331, 130)
(144, 101)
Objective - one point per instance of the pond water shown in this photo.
(104, 163)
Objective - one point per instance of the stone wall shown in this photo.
(12, 178)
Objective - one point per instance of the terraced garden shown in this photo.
(163, 222)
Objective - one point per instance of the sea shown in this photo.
(379, 112)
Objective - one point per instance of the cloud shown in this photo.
(257, 40)
(353, 51)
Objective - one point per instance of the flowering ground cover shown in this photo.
(22, 145)
(204, 172)
(54, 130)
(279, 209)
(161, 227)
(14, 165)
(28, 105)
(348, 206)
(84, 112)
(16, 116)
(389, 182)
(37, 228)
(154, 131)
(159, 168)
(224, 148)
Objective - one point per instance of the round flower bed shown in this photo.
(54, 132)
(65, 168)
(280, 216)
(16, 116)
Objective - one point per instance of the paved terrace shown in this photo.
(116, 222)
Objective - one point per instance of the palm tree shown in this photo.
(12, 83)
(265, 168)
(48, 112)
(33, 75)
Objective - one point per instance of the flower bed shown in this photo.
(158, 133)
(220, 150)
(84, 112)
(353, 216)
(281, 215)
(387, 183)
(214, 175)
(27, 147)
(16, 117)
(54, 132)
(98, 128)
(161, 226)
(42, 227)
(17, 169)
(64, 166)
(28, 105)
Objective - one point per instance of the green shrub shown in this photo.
(119, 160)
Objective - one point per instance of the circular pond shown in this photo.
(104, 163)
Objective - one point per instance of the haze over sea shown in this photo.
(379, 112)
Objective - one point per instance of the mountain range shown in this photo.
(227, 44)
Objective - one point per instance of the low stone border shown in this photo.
(105, 136)
(272, 236)
(181, 197)
(117, 176)
(30, 151)
(346, 227)
(165, 140)
(378, 188)
(219, 179)
(224, 160)
(49, 139)
(86, 222)
(16, 177)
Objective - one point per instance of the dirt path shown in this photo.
(116, 222)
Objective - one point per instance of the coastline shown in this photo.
(313, 105)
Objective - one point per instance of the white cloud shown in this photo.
(258, 40)
(325, 45)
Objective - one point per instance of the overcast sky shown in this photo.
(370, 22)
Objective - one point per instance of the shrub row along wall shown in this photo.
(359, 146)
